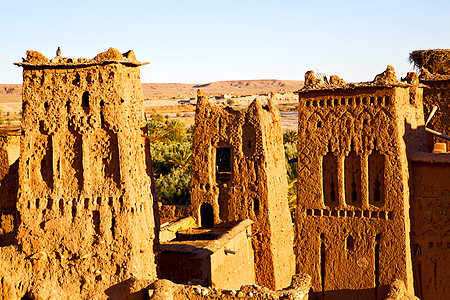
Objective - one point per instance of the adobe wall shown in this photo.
(253, 182)
(9, 151)
(221, 257)
(84, 181)
(352, 216)
(430, 232)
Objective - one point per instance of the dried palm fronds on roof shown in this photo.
(436, 61)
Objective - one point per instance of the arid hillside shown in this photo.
(153, 91)
(235, 87)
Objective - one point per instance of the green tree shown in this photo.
(290, 136)
(180, 158)
(175, 131)
(290, 150)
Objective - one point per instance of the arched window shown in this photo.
(329, 177)
(353, 179)
(206, 215)
(376, 178)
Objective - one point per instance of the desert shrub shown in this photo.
(178, 115)
(173, 188)
(231, 102)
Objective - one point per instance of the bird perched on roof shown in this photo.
(58, 52)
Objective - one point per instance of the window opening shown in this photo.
(223, 164)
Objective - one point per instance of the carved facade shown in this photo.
(352, 218)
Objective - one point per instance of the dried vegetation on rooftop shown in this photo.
(436, 61)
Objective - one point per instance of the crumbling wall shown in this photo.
(238, 170)
(165, 289)
(84, 192)
(352, 236)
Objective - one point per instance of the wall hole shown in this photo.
(96, 221)
(113, 227)
(61, 206)
(207, 215)
(256, 205)
(85, 100)
(76, 81)
(49, 203)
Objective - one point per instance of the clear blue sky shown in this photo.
(203, 41)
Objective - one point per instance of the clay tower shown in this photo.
(352, 218)
(85, 199)
(238, 172)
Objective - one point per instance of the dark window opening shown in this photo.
(85, 100)
(322, 267)
(377, 196)
(223, 164)
(377, 269)
(61, 206)
(76, 81)
(206, 215)
(256, 205)
(350, 243)
(333, 192)
(49, 203)
(354, 193)
(113, 226)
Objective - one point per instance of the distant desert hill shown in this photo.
(182, 90)
(10, 89)
(236, 87)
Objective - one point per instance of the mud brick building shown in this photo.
(238, 173)
(85, 221)
(352, 219)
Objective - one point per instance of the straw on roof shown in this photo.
(436, 61)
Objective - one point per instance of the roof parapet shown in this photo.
(37, 59)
